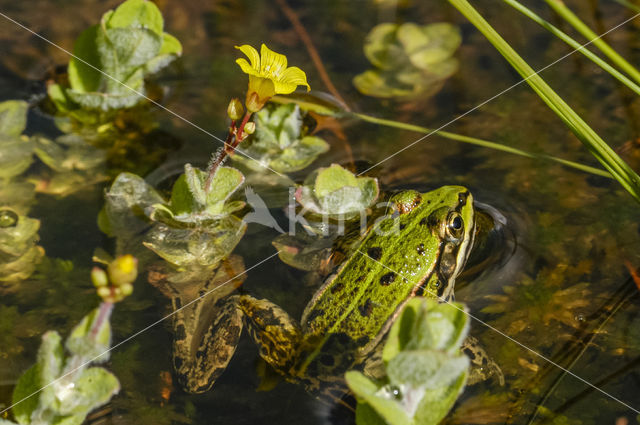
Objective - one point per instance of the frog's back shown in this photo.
(356, 305)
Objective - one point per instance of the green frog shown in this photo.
(417, 249)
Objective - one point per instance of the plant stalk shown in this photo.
(572, 19)
(598, 147)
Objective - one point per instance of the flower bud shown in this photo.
(123, 270)
(99, 277)
(104, 292)
(250, 127)
(235, 109)
(126, 289)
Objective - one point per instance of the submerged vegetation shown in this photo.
(544, 263)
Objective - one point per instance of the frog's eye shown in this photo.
(455, 225)
(8, 218)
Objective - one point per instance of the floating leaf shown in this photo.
(13, 117)
(409, 60)
(112, 59)
(337, 191)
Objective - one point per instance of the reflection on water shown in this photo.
(563, 288)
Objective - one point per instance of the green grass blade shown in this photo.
(324, 110)
(559, 7)
(481, 142)
(598, 147)
(573, 43)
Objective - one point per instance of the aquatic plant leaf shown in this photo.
(94, 387)
(427, 324)
(13, 117)
(136, 13)
(425, 368)
(126, 201)
(17, 155)
(299, 155)
(376, 83)
(50, 362)
(83, 70)
(189, 198)
(367, 390)
(430, 44)
(367, 415)
(437, 402)
(114, 58)
(279, 126)
(203, 246)
(381, 47)
(6, 422)
(23, 398)
(337, 191)
(89, 346)
(409, 60)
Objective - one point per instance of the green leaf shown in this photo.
(425, 324)
(202, 246)
(170, 45)
(50, 362)
(136, 14)
(94, 387)
(333, 178)
(24, 399)
(87, 346)
(436, 403)
(430, 44)
(6, 422)
(83, 77)
(17, 155)
(126, 202)
(366, 390)
(367, 415)
(381, 48)
(13, 117)
(425, 368)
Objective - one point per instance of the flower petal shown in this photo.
(294, 75)
(263, 87)
(252, 54)
(272, 64)
(246, 68)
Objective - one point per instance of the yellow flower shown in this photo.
(268, 75)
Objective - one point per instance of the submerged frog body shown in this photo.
(416, 250)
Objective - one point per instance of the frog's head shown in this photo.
(448, 215)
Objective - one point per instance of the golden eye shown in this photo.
(455, 225)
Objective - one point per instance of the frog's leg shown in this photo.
(200, 359)
(482, 366)
(276, 334)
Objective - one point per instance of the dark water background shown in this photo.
(566, 291)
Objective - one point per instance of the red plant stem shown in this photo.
(104, 312)
(228, 144)
(239, 137)
(229, 148)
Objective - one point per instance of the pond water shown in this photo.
(557, 305)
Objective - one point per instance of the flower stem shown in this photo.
(234, 138)
(104, 312)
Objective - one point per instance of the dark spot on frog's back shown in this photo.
(387, 279)
(313, 314)
(366, 309)
(337, 287)
(420, 249)
(375, 252)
